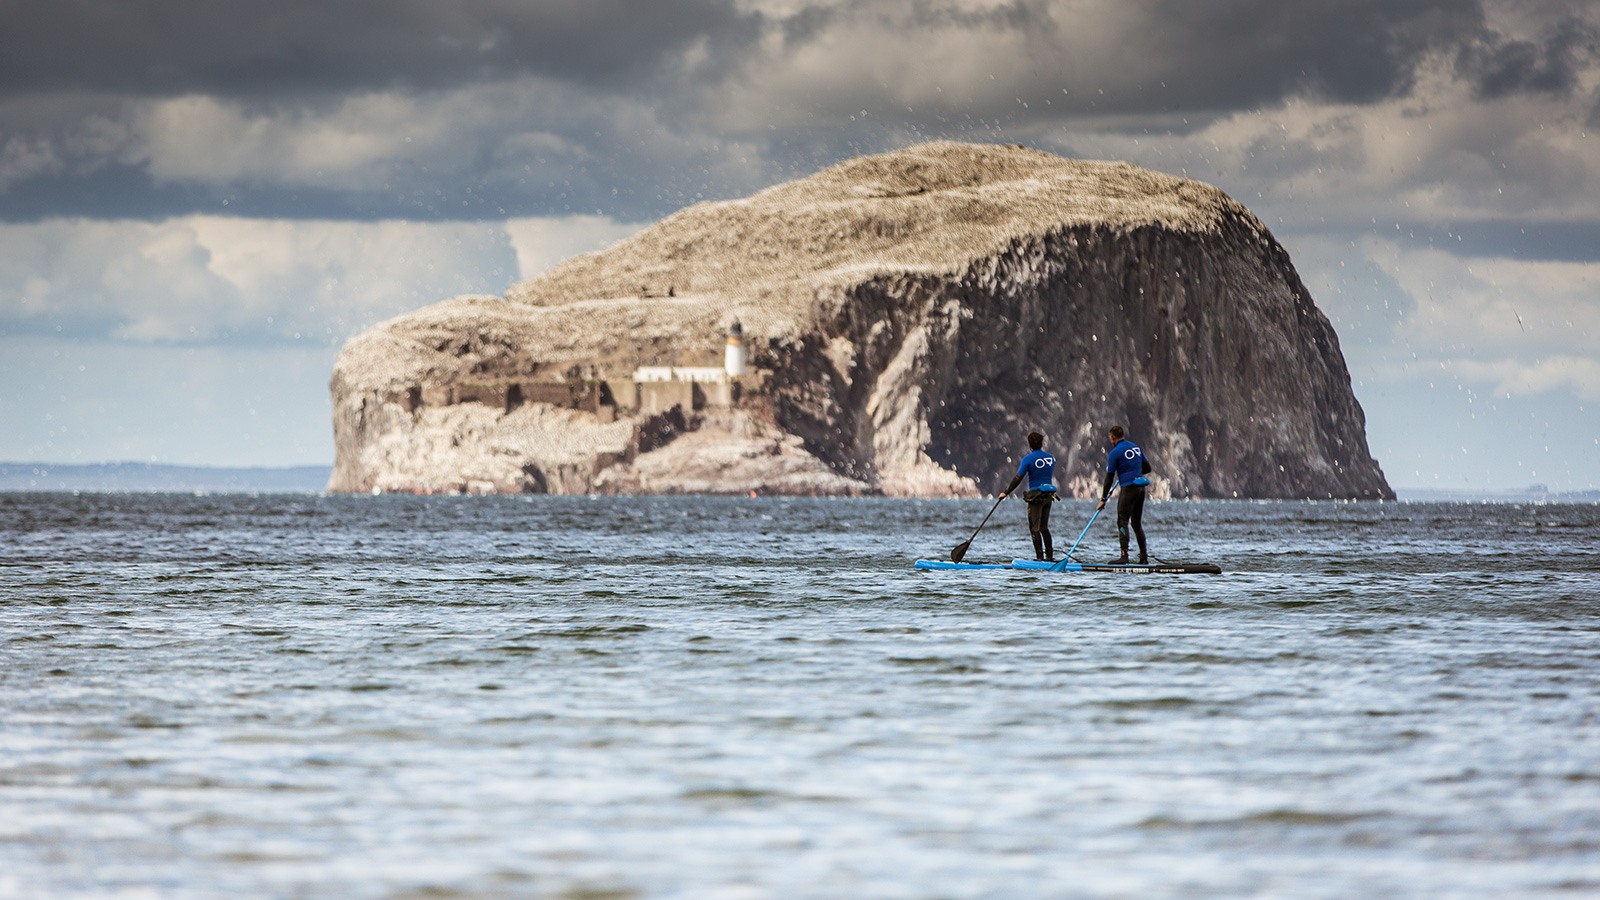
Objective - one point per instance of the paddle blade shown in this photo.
(960, 550)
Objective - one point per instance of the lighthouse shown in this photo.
(734, 357)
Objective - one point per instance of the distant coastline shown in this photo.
(1532, 494)
(140, 477)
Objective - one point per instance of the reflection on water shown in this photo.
(706, 697)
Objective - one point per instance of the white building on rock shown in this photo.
(659, 388)
(734, 358)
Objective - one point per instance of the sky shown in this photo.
(200, 201)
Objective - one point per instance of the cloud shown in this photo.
(365, 143)
(308, 47)
(354, 142)
(1457, 110)
(200, 279)
(1553, 62)
(1503, 326)
(482, 151)
(1032, 60)
(540, 243)
(1578, 374)
(1438, 155)
(23, 158)
(1495, 306)
(213, 279)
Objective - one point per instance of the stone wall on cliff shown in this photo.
(912, 316)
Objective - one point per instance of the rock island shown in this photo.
(892, 325)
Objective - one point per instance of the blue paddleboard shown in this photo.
(964, 567)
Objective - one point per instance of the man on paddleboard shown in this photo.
(1039, 467)
(1126, 468)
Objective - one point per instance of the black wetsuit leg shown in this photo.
(1130, 512)
(1044, 527)
(1039, 523)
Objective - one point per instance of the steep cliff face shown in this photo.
(911, 316)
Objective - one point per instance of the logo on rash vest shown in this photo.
(1043, 461)
(1132, 452)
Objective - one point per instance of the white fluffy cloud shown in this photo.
(542, 242)
(1496, 305)
(200, 279)
(353, 142)
(1503, 325)
(374, 141)
(1577, 374)
(1510, 327)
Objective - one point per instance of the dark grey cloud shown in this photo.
(1170, 55)
(1499, 66)
(1512, 239)
(1228, 54)
(807, 23)
(1236, 54)
(244, 47)
(1223, 53)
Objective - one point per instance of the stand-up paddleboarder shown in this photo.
(1126, 469)
(1039, 467)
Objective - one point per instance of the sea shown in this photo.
(294, 695)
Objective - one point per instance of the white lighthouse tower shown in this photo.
(735, 356)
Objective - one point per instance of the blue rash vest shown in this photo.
(1126, 461)
(1040, 467)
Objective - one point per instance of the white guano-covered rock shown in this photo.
(909, 318)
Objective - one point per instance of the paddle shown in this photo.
(1062, 565)
(960, 549)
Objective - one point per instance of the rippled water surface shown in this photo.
(387, 696)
